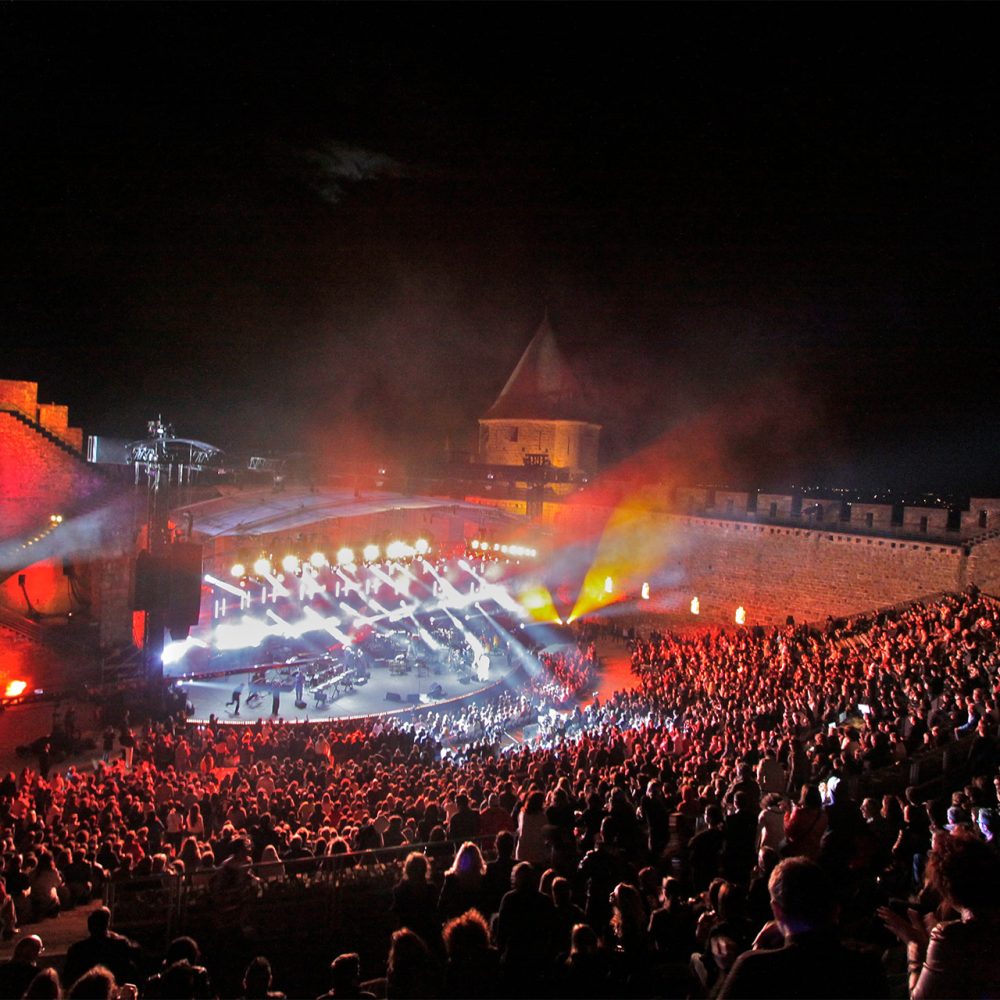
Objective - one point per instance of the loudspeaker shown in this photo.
(149, 586)
(435, 691)
(183, 585)
(413, 698)
(393, 696)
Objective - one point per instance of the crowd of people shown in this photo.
(696, 835)
(565, 674)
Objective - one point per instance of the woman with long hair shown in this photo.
(464, 883)
(414, 900)
(530, 831)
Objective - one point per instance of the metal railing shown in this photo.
(274, 896)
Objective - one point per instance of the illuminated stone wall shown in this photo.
(38, 478)
(771, 570)
(568, 444)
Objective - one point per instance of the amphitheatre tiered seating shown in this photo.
(288, 840)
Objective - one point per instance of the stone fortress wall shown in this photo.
(779, 554)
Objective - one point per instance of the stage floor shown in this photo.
(383, 693)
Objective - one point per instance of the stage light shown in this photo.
(474, 543)
(741, 615)
(421, 546)
(262, 566)
(317, 560)
(645, 591)
(290, 564)
(398, 550)
(695, 606)
(15, 689)
(238, 570)
(56, 518)
(609, 585)
(370, 552)
(345, 556)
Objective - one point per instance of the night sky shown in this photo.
(337, 227)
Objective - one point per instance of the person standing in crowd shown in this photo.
(22, 967)
(126, 740)
(812, 961)
(957, 957)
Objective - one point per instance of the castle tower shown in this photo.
(540, 416)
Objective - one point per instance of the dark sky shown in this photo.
(298, 226)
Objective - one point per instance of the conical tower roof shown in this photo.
(542, 386)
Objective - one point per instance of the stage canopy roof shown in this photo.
(265, 512)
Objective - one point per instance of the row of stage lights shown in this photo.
(54, 521)
(740, 615)
(395, 552)
(506, 550)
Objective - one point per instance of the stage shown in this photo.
(381, 689)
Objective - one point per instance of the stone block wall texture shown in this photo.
(881, 514)
(38, 478)
(569, 444)
(937, 519)
(808, 573)
(735, 502)
(55, 419)
(776, 571)
(782, 504)
(21, 396)
(984, 566)
(983, 515)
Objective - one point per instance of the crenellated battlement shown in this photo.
(832, 513)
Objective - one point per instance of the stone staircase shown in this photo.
(48, 435)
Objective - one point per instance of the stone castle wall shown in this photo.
(567, 444)
(771, 570)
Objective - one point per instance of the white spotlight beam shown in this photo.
(277, 587)
(329, 625)
(214, 581)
